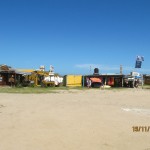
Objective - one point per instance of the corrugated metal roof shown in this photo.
(22, 73)
(8, 69)
(25, 70)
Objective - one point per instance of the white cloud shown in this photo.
(92, 66)
(111, 68)
(87, 66)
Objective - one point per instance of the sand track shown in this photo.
(75, 120)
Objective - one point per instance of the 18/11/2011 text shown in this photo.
(141, 128)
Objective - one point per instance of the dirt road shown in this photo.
(76, 120)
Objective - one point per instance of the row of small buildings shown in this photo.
(27, 77)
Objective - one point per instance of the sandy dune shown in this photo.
(75, 120)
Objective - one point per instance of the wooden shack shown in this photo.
(146, 79)
(6, 72)
(113, 80)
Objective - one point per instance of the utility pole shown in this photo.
(121, 74)
(121, 69)
(90, 70)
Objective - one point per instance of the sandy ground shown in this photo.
(75, 120)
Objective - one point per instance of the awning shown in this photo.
(96, 80)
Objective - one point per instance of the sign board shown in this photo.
(139, 60)
(135, 74)
(138, 64)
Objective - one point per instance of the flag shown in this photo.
(142, 58)
(139, 60)
(138, 64)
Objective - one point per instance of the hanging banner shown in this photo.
(139, 60)
(138, 64)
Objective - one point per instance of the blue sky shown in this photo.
(73, 35)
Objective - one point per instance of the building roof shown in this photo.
(7, 69)
(108, 74)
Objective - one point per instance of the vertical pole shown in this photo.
(142, 80)
(83, 81)
(106, 79)
(90, 70)
(122, 81)
(36, 80)
(121, 69)
(66, 80)
(15, 79)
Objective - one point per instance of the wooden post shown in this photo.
(122, 81)
(142, 80)
(83, 81)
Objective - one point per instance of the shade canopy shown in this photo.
(96, 80)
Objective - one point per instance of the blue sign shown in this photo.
(138, 64)
(139, 60)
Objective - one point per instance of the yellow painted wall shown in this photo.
(74, 80)
(25, 70)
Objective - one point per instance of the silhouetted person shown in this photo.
(12, 81)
